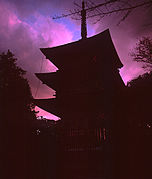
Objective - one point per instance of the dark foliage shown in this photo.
(17, 117)
(139, 127)
(26, 144)
(140, 90)
(16, 98)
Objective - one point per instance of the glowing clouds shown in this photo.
(50, 32)
(25, 37)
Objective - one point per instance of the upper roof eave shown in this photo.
(53, 50)
(86, 45)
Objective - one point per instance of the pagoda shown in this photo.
(88, 90)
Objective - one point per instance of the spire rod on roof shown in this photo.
(83, 22)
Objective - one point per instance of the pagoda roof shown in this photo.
(57, 106)
(99, 44)
(50, 79)
(58, 80)
(48, 105)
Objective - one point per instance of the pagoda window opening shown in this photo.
(100, 134)
(104, 134)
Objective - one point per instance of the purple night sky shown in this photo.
(27, 26)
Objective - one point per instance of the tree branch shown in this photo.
(108, 11)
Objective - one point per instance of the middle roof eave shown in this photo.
(50, 79)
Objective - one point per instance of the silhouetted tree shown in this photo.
(140, 126)
(16, 98)
(143, 52)
(121, 7)
(141, 91)
(16, 117)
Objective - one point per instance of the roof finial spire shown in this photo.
(83, 22)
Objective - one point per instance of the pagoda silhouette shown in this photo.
(88, 94)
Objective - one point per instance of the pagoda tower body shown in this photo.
(88, 91)
(88, 96)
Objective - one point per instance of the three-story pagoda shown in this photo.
(88, 87)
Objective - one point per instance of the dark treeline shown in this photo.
(135, 152)
(23, 151)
